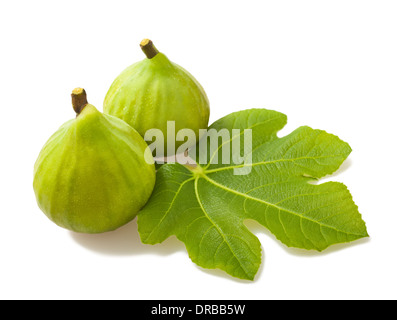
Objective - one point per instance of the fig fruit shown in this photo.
(154, 91)
(95, 173)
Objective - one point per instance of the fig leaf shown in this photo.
(205, 206)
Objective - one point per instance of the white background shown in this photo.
(331, 65)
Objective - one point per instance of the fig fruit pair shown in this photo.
(96, 172)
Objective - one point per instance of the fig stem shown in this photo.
(79, 100)
(148, 48)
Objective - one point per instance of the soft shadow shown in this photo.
(125, 241)
(331, 249)
(330, 177)
(257, 228)
(344, 166)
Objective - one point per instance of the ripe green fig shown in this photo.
(95, 173)
(154, 91)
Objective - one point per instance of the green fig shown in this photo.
(154, 91)
(95, 173)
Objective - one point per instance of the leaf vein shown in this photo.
(169, 208)
(216, 226)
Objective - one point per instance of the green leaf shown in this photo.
(205, 206)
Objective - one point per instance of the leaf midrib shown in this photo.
(268, 162)
(217, 227)
(169, 208)
(244, 195)
(238, 135)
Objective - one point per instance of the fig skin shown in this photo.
(91, 176)
(155, 90)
